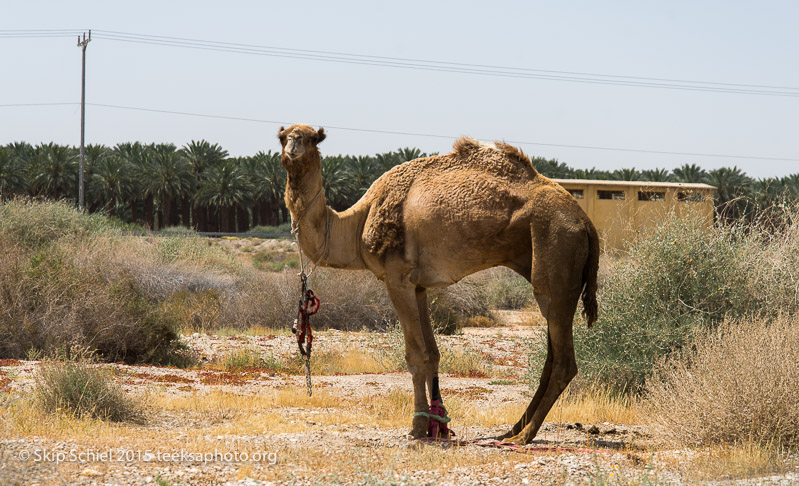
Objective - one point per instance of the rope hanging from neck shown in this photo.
(309, 302)
(308, 306)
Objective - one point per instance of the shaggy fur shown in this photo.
(432, 221)
(384, 225)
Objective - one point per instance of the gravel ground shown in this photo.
(305, 445)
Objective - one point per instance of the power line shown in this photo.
(410, 134)
(35, 33)
(449, 137)
(424, 64)
(453, 67)
(10, 105)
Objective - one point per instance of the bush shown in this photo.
(506, 289)
(80, 388)
(33, 224)
(680, 278)
(50, 303)
(61, 286)
(738, 383)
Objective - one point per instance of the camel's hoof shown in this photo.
(419, 428)
(518, 439)
(506, 435)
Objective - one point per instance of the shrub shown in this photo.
(350, 300)
(81, 388)
(196, 250)
(736, 384)
(57, 291)
(33, 224)
(506, 289)
(678, 277)
(194, 311)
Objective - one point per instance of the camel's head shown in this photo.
(298, 140)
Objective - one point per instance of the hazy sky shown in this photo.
(744, 43)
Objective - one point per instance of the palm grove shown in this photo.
(200, 186)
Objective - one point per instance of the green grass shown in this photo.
(284, 228)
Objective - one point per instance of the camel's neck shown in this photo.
(330, 238)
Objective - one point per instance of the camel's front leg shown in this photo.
(436, 402)
(403, 295)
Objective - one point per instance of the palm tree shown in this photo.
(552, 168)
(592, 174)
(95, 155)
(406, 154)
(267, 175)
(656, 175)
(23, 154)
(134, 156)
(631, 174)
(54, 172)
(110, 181)
(690, 173)
(167, 176)
(12, 175)
(732, 187)
(336, 182)
(363, 170)
(223, 187)
(791, 183)
(201, 155)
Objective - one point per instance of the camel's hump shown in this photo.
(384, 229)
(467, 148)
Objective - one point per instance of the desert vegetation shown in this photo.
(696, 341)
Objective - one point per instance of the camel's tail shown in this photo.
(590, 306)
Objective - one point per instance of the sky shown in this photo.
(735, 42)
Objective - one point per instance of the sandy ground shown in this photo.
(307, 442)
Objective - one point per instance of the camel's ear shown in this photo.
(320, 135)
(281, 134)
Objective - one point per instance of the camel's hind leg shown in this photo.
(543, 383)
(563, 367)
(557, 291)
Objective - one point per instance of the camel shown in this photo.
(432, 221)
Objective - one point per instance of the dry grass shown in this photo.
(323, 362)
(481, 321)
(596, 405)
(738, 384)
(746, 460)
(80, 388)
(465, 363)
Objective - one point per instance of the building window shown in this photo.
(690, 196)
(576, 193)
(651, 196)
(614, 195)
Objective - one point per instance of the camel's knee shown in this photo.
(543, 303)
(563, 372)
(434, 357)
(423, 360)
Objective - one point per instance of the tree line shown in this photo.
(200, 186)
(196, 186)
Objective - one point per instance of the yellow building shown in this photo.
(620, 209)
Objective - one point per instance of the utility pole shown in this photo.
(82, 44)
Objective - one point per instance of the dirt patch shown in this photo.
(352, 430)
